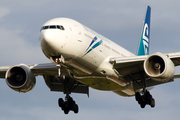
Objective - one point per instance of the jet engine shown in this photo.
(159, 67)
(20, 78)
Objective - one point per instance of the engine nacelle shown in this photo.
(159, 67)
(20, 78)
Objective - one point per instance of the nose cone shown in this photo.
(52, 42)
(48, 38)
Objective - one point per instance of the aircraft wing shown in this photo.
(132, 67)
(48, 71)
(128, 65)
(3, 70)
(133, 64)
(38, 69)
(125, 66)
(175, 57)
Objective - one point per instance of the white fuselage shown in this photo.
(81, 47)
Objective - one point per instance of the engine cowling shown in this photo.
(20, 78)
(159, 67)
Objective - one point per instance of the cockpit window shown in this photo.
(58, 27)
(62, 28)
(46, 27)
(53, 27)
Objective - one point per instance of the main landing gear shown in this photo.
(146, 98)
(67, 104)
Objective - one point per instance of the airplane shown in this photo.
(82, 58)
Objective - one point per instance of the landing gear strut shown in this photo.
(67, 104)
(146, 98)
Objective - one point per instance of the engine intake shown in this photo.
(159, 67)
(20, 78)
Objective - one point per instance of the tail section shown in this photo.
(143, 48)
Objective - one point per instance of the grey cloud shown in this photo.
(3, 12)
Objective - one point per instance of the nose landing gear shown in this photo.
(67, 104)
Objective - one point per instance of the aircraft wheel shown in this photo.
(66, 110)
(137, 96)
(65, 107)
(60, 102)
(142, 104)
(76, 108)
(152, 103)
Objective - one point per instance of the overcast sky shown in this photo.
(118, 20)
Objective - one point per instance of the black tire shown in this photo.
(148, 98)
(66, 111)
(65, 108)
(143, 104)
(60, 102)
(152, 103)
(76, 108)
(70, 99)
(137, 96)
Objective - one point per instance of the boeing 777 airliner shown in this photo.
(82, 58)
